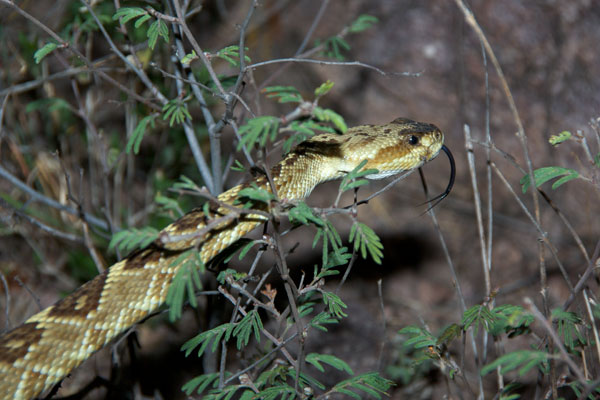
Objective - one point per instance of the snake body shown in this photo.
(42, 351)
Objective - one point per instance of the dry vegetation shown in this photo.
(494, 279)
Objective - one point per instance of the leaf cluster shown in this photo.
(157, 29)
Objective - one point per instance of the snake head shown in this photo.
(399, 146)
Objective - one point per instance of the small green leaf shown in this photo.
(568, 324)
(230, 273)
(545, 174)
(168, 204)
(156, 29)
(333, 46)
(200, 383)
(255, 194)
(316, 359)
(285, 391)
(203, 339)
(176, 111)
(418, 337)
(526, 359)
(141, 21)
(327, 115)
(478, 315)
(231, 54)
(324, 89)
(322, 319)
(138, 133)
(366, 240)
(246, 249)
(335, 304)
(130, 239)
(187, 279)
(258, 130)
(371, 383)
(303, 214)
(243, 329)
(363, 22)
(283, 94)
(561, 137)
(186, 183)
(128, 13)
(44, 51)
(352, 179)
(188, 58)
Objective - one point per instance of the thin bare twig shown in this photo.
(39, 224)
(331, 63)
(478, 209)
(548, 327)
(50, 202)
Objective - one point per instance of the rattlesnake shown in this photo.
(42, 351)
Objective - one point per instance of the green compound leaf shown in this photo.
(282, 391)
(366, 240)
(371, 383)
(176, 111)
(138, 133)
(362, 23)
(303, 214)
(525, 360)
(321, 319)
(141, 21)
(243, 329)
(186, 281)
(129, 13)
(418, 337)
(130, 239)
(333, 47)
(249, 196)
(283, 94)
(326, 115)
(511, 319)
(201, 383)
(478, 315)
(231, 54)
(568, 327)
(44, 51)
(213, 336)
(316, 360)
(353, 178)
(335, 304)
(258, 130)
(543, 175)
(156, 29)
(561, 137)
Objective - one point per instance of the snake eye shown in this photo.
(413, 140)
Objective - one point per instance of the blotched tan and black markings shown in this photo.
(42, 351)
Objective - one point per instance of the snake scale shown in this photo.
(49, 345)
